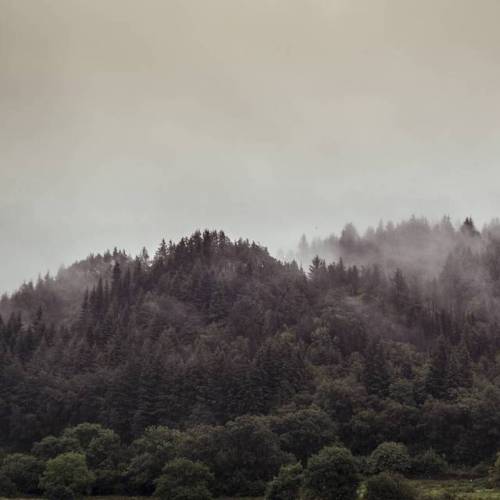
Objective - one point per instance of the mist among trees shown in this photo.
(211, 359)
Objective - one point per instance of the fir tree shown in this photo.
(437, 375)
(376, 376)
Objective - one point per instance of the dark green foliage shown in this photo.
(51, 446)
(287, 484)
(280, 371)
(249, 456)
(67, 473)
(403, 391)
(495, 471)
(342, 400)
(182, 479)
(101, 447)
(391, 457)
(59, 492)
(331, 475)
(437, 377)
(395, 341)
(304, 432)
(23, 471)
(400, 292)
(428, 464)
(389, 487)
(105, 459)
(376, 373)
(151, 452)
(84, 433)
(464, 364)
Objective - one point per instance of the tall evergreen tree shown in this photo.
(437, 375)
(376, 376)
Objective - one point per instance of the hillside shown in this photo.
(392, 342)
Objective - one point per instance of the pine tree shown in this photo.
(147, 396)
(122, 398)
(437, 377)
(318, 273)
(353, 279)
(468, 228)
(400, 292)
(376, 376)
(161, 254)
(116, 280)
(465, 364)
(207, 244)
(96, 301)
(218, 302)
(340, 273)
(453, 375)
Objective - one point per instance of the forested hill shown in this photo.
(150, 340)
(379, 344)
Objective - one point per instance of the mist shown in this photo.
(125, 122)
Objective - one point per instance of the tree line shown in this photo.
(210, 330)
(282, 456)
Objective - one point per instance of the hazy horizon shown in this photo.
(124, 122)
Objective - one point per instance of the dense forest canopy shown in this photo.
(390, 336)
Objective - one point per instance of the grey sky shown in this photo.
(125, 121)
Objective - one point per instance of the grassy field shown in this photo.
(460, 489)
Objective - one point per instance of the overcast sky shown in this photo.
(122, 121)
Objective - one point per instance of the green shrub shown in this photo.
(183, 479)
(83, 433)
(244, 455)
(51, 446)
(495, 471)
(70, 471)
(105, 459)
(402, 391)
(287, 484)
(23, 471)
(386, 486)
(157, 446)
(304, 432)
(482, 469)
(390, 457)
(102, 449)
(59, 493)
(429, 463)
(332, 474)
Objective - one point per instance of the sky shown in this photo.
(122, 122)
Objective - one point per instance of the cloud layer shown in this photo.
(124, 121)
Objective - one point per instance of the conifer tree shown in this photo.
(161, 254)
(376, 375)
(400, 292)
(116, 281)
(465, 364)
(437, 375)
